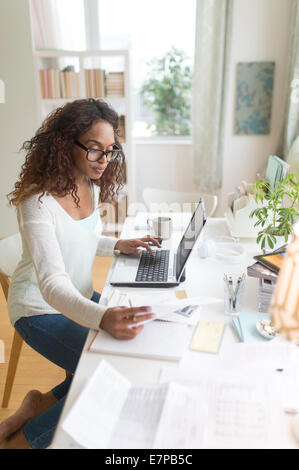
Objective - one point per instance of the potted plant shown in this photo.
(279, 211)
(167, 93)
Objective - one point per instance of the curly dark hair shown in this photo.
(48, 166)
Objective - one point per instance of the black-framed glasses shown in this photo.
(94, 155)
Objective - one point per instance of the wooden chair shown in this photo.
(10, 253)
(159, 199)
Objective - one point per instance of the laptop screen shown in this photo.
(190, 236)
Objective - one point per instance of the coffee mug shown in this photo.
(161, 227)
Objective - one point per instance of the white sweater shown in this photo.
(55, 272)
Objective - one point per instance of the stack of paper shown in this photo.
(214, 411)
(265, 292)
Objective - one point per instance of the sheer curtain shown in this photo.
(291, 129)
(58, 24)
(47, 31)
(213, 24)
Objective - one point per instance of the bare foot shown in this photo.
(15, 441)
(33, 404)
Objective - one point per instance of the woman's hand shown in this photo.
(121, 322)
(131, 247)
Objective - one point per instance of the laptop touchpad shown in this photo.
(128, 261)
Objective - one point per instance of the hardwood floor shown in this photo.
(34, 371)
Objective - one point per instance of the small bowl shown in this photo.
(265, 329)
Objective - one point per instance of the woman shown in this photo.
(74, 158)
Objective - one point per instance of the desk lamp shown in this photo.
(284, 307)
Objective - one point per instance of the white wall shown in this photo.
(163, 165)
(260, 32)
(18, 120)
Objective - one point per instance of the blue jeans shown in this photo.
(60, 340)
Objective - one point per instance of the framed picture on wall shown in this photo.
(254, 98)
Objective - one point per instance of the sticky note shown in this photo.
(207, 336)
(180, 294)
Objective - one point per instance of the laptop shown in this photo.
(167, 267)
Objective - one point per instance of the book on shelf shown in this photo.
(59, 83)
(72, 84)
(65, 83)
(122, 129)
(50, 83)
(115, 84)
(95, 83)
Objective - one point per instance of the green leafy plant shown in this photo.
(279, 213)
(167, 93)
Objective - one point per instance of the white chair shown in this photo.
(158, 200)
(10, 254)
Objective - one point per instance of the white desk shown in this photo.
(203, 277)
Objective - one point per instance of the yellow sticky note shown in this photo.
(207, 336)
(180, 294)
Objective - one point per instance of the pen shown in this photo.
(231, 293)
(241, 331)
(238, 288)
(236, 292)
(134, 316)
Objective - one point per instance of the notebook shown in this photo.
(158, 340)
(277, 169)
(244, 326)
(207, 336)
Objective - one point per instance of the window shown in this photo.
(72, 24)
(150, 29)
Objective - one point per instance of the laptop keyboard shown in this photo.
(153, 268)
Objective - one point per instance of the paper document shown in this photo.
(165, 306)
(244, 414)
(212, 412)
(241, 411)
(154, 416)
(278, 359)
(96, 411)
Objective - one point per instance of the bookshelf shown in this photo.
(64, 75)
